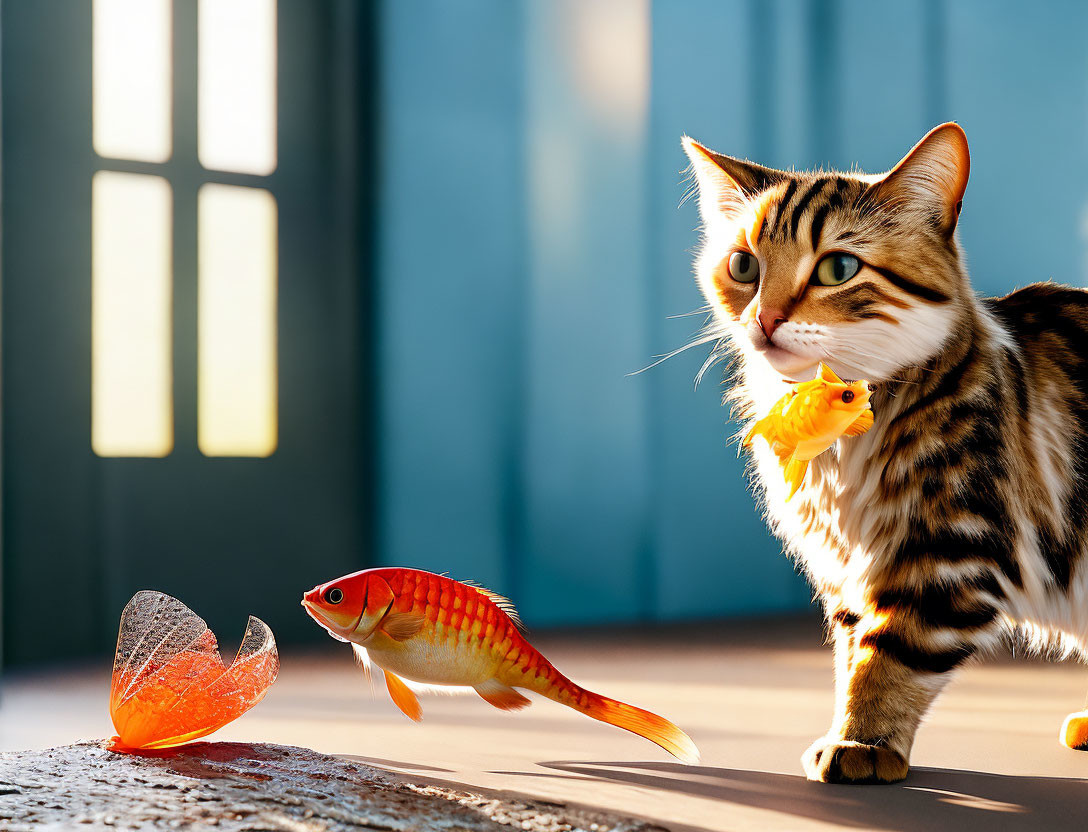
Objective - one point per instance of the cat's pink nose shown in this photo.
(770, 320)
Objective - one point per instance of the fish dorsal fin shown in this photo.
(403, 697)
(827, 374)
(401, 626)
(502, 602)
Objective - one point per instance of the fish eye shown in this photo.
(835, 269)
(847, 396)
(334, 595)
(743, 267)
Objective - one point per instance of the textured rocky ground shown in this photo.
(240, 786)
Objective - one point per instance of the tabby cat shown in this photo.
(962, 515)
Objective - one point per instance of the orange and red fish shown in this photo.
(810, 419)
(430, 629)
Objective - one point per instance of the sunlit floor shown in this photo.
(752, 697)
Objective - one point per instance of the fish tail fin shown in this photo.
(655, 728)
(794, 472)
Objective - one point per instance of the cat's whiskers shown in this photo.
(720, 351)
(702, 310)
(715, 334)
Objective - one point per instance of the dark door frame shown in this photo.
(62, 590)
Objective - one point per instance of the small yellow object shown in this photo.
(810, 419)
(1074, 733)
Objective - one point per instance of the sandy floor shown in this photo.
(751, 697)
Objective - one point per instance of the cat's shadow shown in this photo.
(929, 799)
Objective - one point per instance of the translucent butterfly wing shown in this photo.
(242, 685)
(169, 682)
(154, 628)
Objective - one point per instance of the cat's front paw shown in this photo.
(1074, 733)
(830, 760)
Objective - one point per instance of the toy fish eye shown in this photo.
(334, 595)
(835, 269)
(743, 267)
(847, 396)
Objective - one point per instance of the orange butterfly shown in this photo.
(170, 685)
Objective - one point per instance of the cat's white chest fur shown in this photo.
(816, 527)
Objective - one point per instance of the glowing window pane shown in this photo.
(237, 321)
(132, 377)
(236, 123)
(131, 87)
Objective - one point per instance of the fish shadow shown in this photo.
(381, 762)
(930, 798)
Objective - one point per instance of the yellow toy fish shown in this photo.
(810, 418)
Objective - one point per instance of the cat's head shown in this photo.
(860, 272)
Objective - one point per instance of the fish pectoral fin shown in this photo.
(401, 626)
(503, 697)
(811, 448)
(403, 697)
(362, 658)
(860, 424)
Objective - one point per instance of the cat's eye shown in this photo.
(743, 267)
(836, 269)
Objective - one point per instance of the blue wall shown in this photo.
(451, 266)
(532, 252)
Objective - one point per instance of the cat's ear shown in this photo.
(725, 183)
(933, 176)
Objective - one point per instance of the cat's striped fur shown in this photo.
(963, 513)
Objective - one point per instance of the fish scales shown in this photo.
(478, 623)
